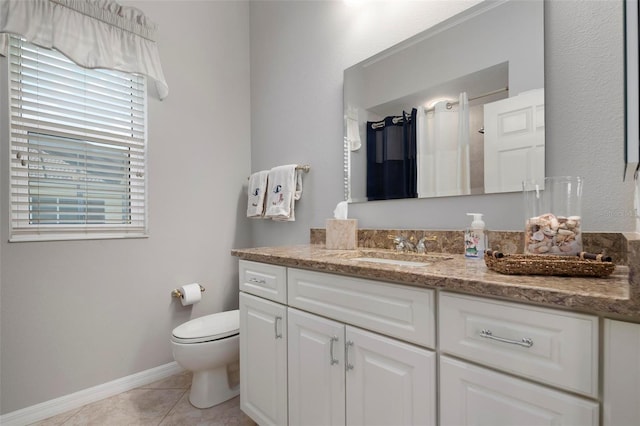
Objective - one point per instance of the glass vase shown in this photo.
(553, 223)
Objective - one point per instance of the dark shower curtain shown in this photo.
(391, 157)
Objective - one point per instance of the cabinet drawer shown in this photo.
(550, 346)
(401, 312)
(264, 280)
(475, 395)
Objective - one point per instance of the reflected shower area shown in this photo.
(457, 110)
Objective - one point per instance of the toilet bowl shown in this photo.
(206, 346)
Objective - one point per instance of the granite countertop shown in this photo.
(615, 296)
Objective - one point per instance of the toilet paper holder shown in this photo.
(177, 293)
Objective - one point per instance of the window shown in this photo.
(78, 148)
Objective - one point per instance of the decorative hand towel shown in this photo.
(285, 187)
(257, 189)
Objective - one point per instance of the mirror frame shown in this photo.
(632, 139)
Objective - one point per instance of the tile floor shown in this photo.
(164, 403)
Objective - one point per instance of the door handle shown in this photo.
(347, 365)
(526, 342)
(334, 360)
(275, 326)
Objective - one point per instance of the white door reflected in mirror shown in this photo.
(514, 141)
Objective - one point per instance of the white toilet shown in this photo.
(206, 346)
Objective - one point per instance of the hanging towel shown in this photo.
(353, 129)
(445, 134)
(464, 168)
(285, 187)
(257, 189)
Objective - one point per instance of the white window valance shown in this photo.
(92, 33)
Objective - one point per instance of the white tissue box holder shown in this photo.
(341, 234)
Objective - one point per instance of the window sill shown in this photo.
(67, 237)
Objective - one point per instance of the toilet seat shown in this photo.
(208, 328)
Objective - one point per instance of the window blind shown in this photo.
(78, 148)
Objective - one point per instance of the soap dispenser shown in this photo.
(474, 238)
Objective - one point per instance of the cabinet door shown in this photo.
(388, 382)
(621, 400)
(316, 370)
(471, 395)
(263, 360)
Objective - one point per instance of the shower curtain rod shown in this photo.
(484, 95)
(394, 120)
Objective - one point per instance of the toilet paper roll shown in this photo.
(190, 294)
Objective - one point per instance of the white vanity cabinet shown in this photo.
(328, 349)
(359, 348)
(340, 374)
(344, 351)
(621, 394)
(541, 345)
(263, 343)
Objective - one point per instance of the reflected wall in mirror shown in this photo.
(455, 110)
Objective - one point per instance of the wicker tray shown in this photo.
(518, 264)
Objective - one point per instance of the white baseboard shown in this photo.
(75, 400)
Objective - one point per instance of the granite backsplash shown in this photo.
(609, 243)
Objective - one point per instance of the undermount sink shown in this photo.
(391, 261)
(398, 258)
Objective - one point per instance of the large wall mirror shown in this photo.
(632, 44)
(455, 110)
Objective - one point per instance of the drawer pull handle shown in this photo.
(347, 365)
(333, 359)
(257, 281)
(275, 326)
(526, 341)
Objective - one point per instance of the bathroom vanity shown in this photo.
(336, 337)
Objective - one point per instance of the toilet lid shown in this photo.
(209, 327)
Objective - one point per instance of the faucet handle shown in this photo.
(421, 247)
(409, 244)
(403, 243)
(400, 242)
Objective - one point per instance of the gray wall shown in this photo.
(78, 314)
(300, 49)
(82, 313)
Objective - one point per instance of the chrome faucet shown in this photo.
(404, 244)
(421, 247)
